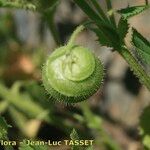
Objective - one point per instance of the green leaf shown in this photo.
(89, 148)
(24, 4)
(89, 11)
(4, 132)
(3, 128)
(132, 11)
(39, 5)
(98, 8)
(24, 146)
(107, 34)
(123, 28)
(23, 102)
(145, 127)
(107, 37)
(102, 38)
(146, 141)
(142, 46)
(74, 136)
(40, 147)
(110, 9)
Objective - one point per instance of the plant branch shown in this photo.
(95, 122)
(99, 9)
(49, 19)
(89, 11)
(135, 67)
(19, 119)
(112, 17)
(74, 35)
(26, 105)
(3, 106)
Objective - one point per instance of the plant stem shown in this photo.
(135, 67)
(95, 122)
(109, 7)
(3, 106)
(19, 119)
(74, 35)
(89, 11)
(99, 9)
(49, 19)
(25, 105)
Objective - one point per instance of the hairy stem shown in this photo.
(99, 9)
(112, 17)
(95, 122)
(135, 67)
(74, 35)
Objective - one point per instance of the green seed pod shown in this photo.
(72, 73)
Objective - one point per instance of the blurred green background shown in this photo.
(110, 117)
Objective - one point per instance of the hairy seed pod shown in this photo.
(72, 73)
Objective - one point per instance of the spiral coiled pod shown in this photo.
(72, 73)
